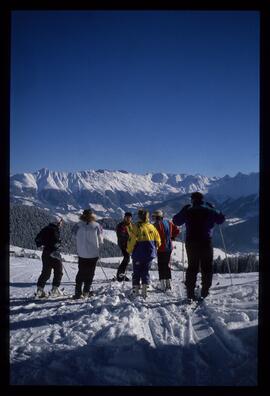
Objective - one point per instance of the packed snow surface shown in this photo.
(114, 339)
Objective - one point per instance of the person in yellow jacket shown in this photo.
(143, 243)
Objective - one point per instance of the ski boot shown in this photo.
(87, 294)
(162, 284)
(40, 293)
(191, 297)
(168, 284)
(144, 291)
(204, 293)
(56, 292)
(122, 277)
(135, 290)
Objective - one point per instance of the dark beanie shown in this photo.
(197, 196)
(143, 214)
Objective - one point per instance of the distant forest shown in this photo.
(27, 221)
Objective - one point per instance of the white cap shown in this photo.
(158, 213)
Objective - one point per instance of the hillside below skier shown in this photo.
(200, 218)
(49, 238)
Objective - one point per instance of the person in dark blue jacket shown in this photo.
(199, 219)
(123, 230)
(49, 238)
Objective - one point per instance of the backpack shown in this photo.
(167, 226)
(41, 238)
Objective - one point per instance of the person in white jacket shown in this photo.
(89, 237)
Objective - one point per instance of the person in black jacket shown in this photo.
(122, 231)
(49, 238)
(199, 218)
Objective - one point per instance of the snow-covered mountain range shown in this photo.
(110, 193)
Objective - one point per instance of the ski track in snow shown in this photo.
(115, 339)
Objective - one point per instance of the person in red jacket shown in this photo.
(168, 232)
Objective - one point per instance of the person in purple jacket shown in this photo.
(199, 218)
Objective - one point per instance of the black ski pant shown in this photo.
(123, 266)
(48, 264)
(200, 256)
(85, 274)
(164, 270)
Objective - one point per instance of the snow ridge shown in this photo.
(150, 183)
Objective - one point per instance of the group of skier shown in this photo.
(142, 241)
(89, 237)
(145, 241)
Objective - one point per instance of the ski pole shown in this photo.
(183, 256)
(225, 251)
(101, 266)
(124, 280)
(66, 272)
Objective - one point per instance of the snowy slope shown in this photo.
(178, 254)
(111, 339)
(110, 235)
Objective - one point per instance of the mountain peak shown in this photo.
(114, 191)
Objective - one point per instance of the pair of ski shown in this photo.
(186, 305)
(64, 296)
(50, 296)
(158, 289)
(113, 279)
(190, 305)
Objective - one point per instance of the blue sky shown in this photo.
(143, 91)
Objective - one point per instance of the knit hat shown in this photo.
(128, 214)
(158, 213)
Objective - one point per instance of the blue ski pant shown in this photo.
(141, 273)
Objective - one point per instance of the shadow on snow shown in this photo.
(128, 361)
